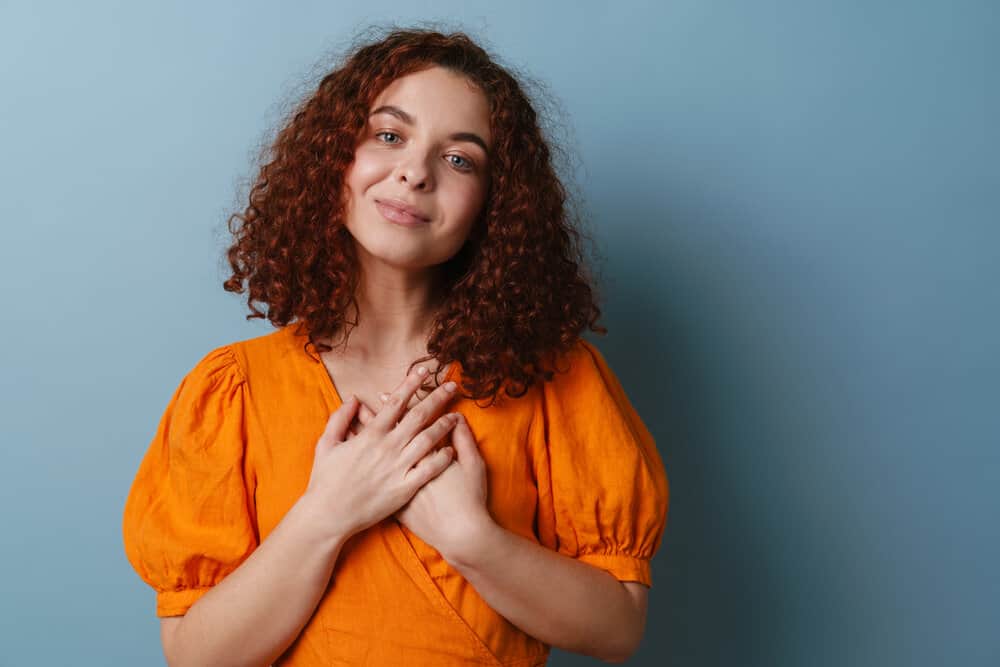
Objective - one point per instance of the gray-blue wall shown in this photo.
(797, 205)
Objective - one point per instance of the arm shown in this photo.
(559, 600)
(257, 611)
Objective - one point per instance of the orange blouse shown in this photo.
(569, 464)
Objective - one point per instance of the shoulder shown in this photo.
(579, 368)
(585, 394)
(250, 357)
(216, 364)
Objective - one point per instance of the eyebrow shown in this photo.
(471, 137)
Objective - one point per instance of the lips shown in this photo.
(397, 211)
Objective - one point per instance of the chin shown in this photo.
(396, 247)
(390, 252)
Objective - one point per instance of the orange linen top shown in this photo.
(570, 465)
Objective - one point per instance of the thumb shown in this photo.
(466, 449)
(339, 421)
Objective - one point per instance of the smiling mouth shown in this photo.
(393, 214)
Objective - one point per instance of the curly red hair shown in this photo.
(517, 294)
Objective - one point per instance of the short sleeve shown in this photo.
(188, 519)
(603, 491)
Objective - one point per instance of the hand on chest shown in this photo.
(369, 383)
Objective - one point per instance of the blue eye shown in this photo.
(462, 165)
(468, 165)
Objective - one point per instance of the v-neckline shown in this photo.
(396, 535)
(330, 387)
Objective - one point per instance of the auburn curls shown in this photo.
(517, 295)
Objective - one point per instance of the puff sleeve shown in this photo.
(603, 491)
(188, 519)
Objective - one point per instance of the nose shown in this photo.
(413, 172)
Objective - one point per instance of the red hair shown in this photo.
(517, 294)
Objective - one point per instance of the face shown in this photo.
(420, 150)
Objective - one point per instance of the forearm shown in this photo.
(257, 611)
(552, 597)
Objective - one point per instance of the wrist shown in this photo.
(476, 543)
(308, 518)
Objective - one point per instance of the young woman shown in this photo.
(425, 463)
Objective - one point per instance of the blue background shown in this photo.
(796, 203)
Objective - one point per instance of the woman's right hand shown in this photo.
(358, 480)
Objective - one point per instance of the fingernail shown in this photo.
(449, 386)
(421, 370)
(383, 397)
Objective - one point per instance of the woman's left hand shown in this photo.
(449, 511)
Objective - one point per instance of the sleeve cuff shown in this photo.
(176, 603)
(622, 566)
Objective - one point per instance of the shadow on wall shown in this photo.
(753, 559)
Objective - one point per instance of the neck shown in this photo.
(395, 311)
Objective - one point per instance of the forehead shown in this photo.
(439, 99)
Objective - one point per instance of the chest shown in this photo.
(367, 383)
(290, 410)
(348, 381)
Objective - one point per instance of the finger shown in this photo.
(384, 398)
(425, 441)
(338, 423)
(365, 415)
(358, 423)
(398, 386)
(398, 402)
(415, 400)
(429, 467)
(466, 449)
(416, 397)
(415, 420)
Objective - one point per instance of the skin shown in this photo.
(528, 584)
(539, 590)
(419, 164)
(448, 181)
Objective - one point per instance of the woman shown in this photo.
(506, 499)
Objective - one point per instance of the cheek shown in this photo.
(476, 200)
(467, 198)
(365, 169)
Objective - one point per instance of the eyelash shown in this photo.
(468, 162)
